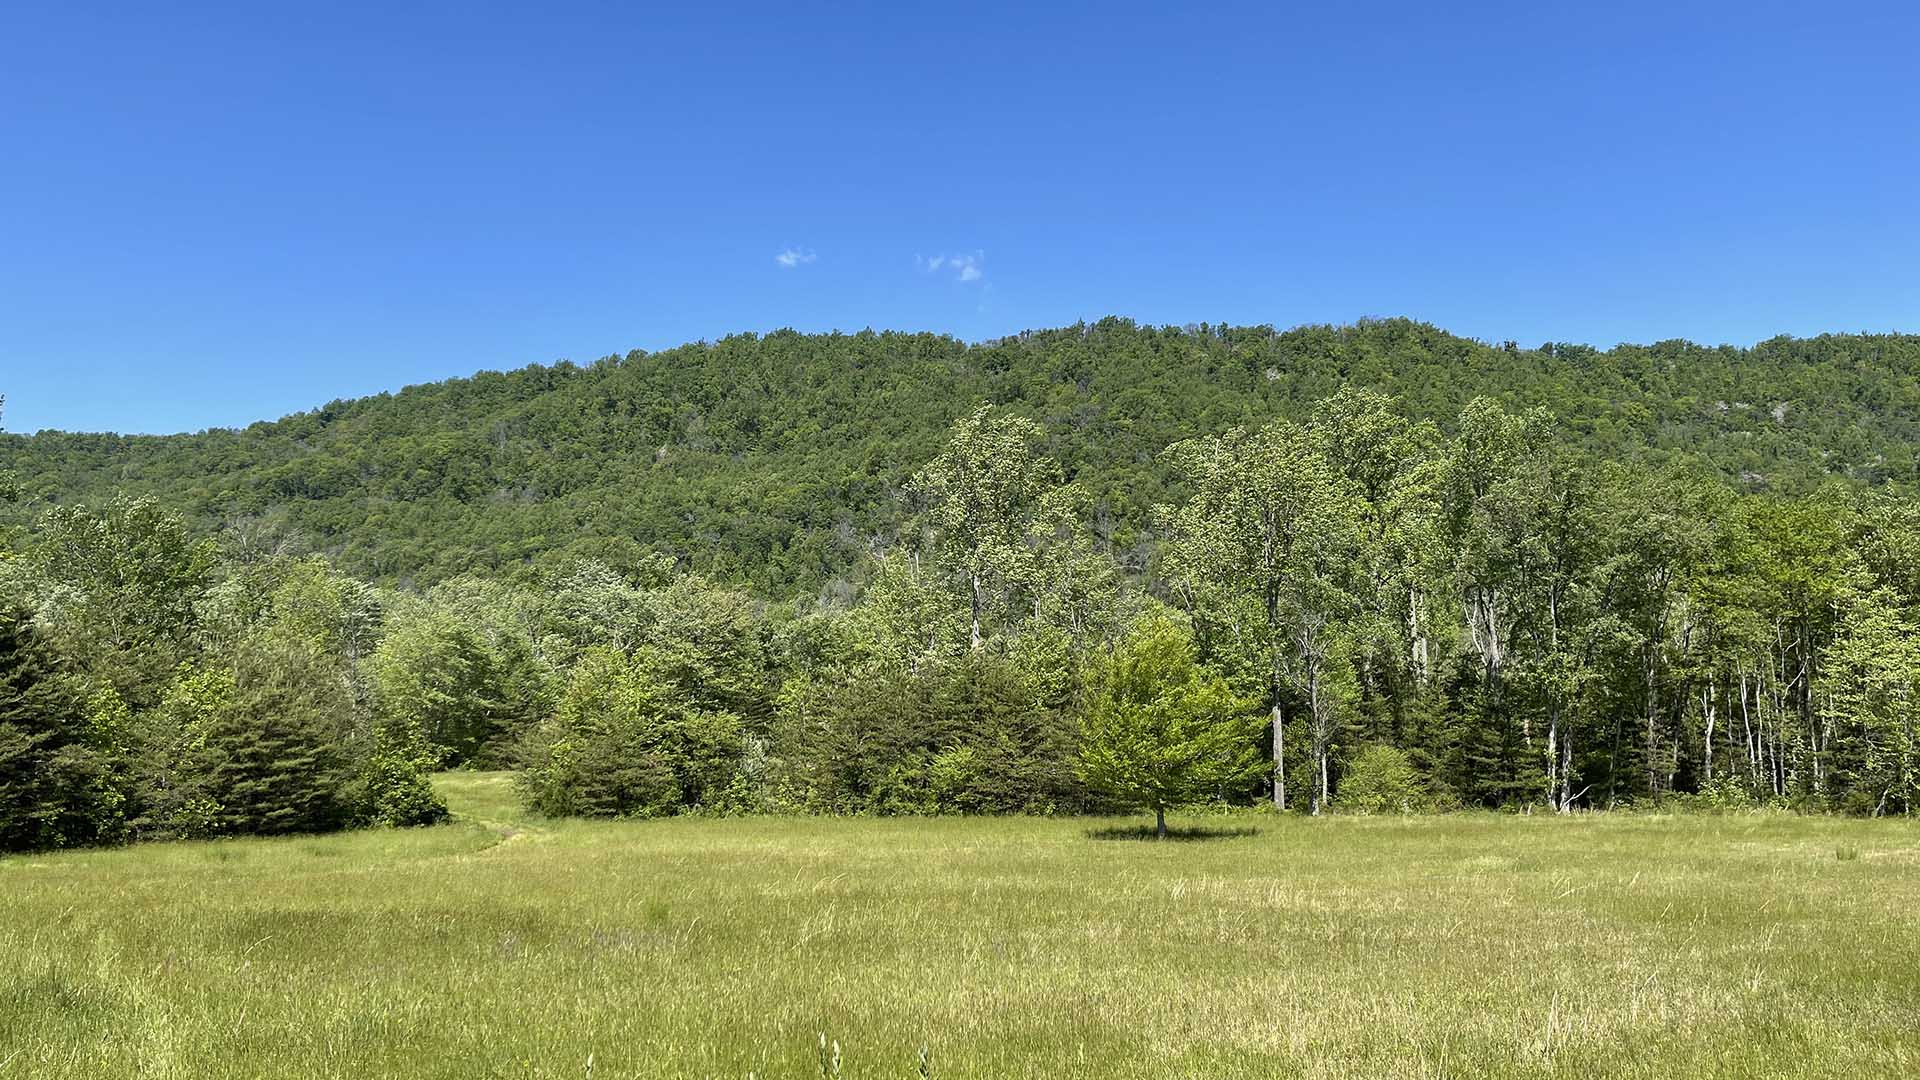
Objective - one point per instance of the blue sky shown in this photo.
(212, 214)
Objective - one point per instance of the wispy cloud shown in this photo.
(964, 267)
(793, 257)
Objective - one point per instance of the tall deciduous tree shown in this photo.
(980, 494)
(122, 584)
(1872, 699)
(1273, 527)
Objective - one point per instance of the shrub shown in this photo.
(1381, 780)
(393, 788)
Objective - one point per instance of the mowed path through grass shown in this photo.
(1465, 946)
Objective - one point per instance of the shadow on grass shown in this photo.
(1174, 832)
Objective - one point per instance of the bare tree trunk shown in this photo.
(1279, 760)
(1746, 726)
(977, 604)
(1321, 736)
(1414, 631)
(1653, 713)
(1160, 822)
(1553, 754)
(1566, 772)
(1706, 705)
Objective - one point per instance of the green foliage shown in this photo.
(277, 756)
(433, 673)
(975, 733)
(1873, 701)
(777, 572)
(981, 493)
(1160, 730)
(621, 744)
(393, 787)
(56, 789)
(172, 762)
(119, 588)
(1382, 780)
(771, 459)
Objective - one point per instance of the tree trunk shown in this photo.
(1566, 772)
(1160, 823)
(1706, 704)
(975, 578)
(1279, 760)
(1553, 755)
(1318, 723)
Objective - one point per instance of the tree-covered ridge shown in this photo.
(1355, 609)
(777, 460)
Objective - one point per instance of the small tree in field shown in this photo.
(1161, 730)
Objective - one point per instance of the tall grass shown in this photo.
(499, 946)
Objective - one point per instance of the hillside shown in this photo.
(772, 459)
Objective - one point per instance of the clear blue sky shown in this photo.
(213, 214)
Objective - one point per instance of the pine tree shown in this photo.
(278, 753)
(54, 787)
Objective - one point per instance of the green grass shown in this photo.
(500, 946)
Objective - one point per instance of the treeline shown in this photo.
(772, 460)
(148, 693)
(1357, 610)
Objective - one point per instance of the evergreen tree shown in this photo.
(56, 789)
(279, 752)
(621, 744)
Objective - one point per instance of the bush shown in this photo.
(393, 787)
(1381, 780)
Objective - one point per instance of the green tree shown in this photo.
(1872, 681)
(432, 673)
(1272, 533)
(56, 789)
(980, 495)
(172, 763)
(122, 584)
(1382, 780)
(622, 744)
(1161, 730)
(279, 752)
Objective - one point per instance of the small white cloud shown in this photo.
(793, 257)
(971, 267)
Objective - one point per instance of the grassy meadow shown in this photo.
(499, 946)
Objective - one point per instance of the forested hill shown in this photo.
(775, 459)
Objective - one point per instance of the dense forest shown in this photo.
(777, 461)
(1371, 568)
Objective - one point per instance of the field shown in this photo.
(499, 946)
